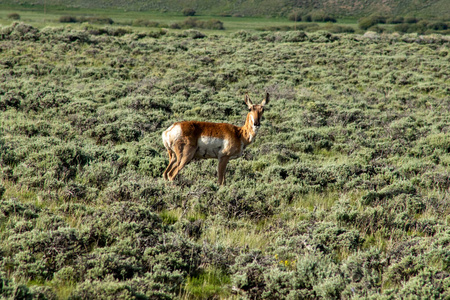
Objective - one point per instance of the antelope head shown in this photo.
(254, 116)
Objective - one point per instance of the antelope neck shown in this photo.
(249, 130)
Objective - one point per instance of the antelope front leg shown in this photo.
(223, 161)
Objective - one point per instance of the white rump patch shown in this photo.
(171, 135)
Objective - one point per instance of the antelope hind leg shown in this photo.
(184, 153)
(172, 161)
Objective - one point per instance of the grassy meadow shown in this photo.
(37, 17)
(344, 193)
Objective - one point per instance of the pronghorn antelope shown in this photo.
(193, 139)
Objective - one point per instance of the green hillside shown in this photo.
(423, 8)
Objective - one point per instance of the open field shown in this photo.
(40, 17)
(37, 18)
(344, 194)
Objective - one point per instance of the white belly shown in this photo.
(211, 147)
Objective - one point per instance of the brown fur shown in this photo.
(183, 147)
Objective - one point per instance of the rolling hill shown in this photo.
(355, 8)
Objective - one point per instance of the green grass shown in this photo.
(245, 235)
(209, 283)
(169, 217)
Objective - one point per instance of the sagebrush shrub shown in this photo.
(188, 11)
(14, 16)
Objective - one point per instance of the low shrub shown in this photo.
(411, 20)
(97, 20)
(438, 26)
(196, 23)
(232, 203)
(295, 37)
(377, 29)
(213, 24)
(295, 16)
(13, 16)
(322, 17)
(299, 27)
(68, 19)
(103, 289)
(366, 22)
(92, 20)
(20, 31)
(11, 99)
(395, 20)
(189, 12)
(145, 23)
(402, 27)
(317, 16)
(322, 37)
(338, 28)
(307, 18)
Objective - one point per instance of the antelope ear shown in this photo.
(266, 100)
(248, 101)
